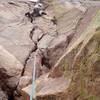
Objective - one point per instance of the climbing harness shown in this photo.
(33, 89)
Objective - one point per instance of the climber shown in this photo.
(38, 10)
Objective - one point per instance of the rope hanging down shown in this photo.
(33, 92)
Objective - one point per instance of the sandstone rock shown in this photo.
(84, 69)
(15, 43)
(53, 33)
(20, 43)
(36, 61)
(3, 95)
(24, 81)
(57, 40)
(48, 87)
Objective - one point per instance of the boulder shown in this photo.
(47, 88)
(43, 42)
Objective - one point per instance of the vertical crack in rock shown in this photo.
(75, 29)
(28, 57)
(35, 50)
(16, 92)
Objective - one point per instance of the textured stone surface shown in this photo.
(15, 43)
(81, 62)
(47, 86)
(73, 22)
(24, 44)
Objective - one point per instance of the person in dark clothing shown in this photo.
(37, 12)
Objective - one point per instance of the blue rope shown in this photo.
(33, 92)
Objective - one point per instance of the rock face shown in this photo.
(80, 62)
(84, 53)
(42, 42)
(15, 44)
(86, 84)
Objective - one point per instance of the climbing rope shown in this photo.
(33, 92)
